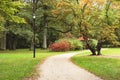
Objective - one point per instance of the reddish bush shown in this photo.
(60, 46)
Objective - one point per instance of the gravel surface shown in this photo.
(61, 68)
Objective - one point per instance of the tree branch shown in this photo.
(51, 28)
(107, 9)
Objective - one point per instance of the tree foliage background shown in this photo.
(94, 20)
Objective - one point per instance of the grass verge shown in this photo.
(106, 68)
(19, 64)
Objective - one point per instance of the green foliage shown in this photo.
(93, 43)
(9, 8)
(21, 31)
(76, 44)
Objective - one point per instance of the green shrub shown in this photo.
(76, 44)
(93, 43)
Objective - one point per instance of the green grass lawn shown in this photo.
(16, 65)
(106, 68)
(111, 51)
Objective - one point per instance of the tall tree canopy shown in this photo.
(98, 21)
(8, 9)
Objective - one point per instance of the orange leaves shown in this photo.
(83, 2)
(100, 1)
(55, 12)
(62, 4)
(116, 5)
(87, 12)
(62, 8)
(107, 33)
(65, 12)
(86, 1)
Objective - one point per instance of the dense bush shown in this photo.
(66, 44)
(60, 46)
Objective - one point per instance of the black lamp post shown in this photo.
(34, 28)
(34, 35)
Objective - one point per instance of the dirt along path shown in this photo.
(61, 68)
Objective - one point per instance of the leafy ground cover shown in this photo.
(106, 68)
(18, 64)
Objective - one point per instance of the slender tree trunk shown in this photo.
(10, 44)
(3, 41)
(45, 31)
(32, 45)
(14, 45)
(45, 38)
(99, 45)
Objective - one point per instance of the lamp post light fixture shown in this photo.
(34, 16)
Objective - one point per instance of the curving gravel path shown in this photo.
(61, 68)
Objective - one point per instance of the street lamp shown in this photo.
(34, 28)
(34, 35)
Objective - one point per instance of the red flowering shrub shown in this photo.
(60, 46)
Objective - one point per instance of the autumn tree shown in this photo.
(94, 20)
(108, 25)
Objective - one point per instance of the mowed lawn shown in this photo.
(108, 68)
(19, 64)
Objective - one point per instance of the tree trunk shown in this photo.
(3, 41)
(32, 45)
(14, 44)
(45, 7)
(99, 45)
(45, 38)
(91, 49)
(9, 44)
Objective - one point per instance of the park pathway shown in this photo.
(60, 67)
